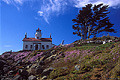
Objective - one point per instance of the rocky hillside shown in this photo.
(81, 60)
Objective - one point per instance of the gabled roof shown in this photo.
(42, 39)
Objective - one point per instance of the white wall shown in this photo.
(29, 43)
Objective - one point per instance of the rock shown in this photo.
(28, 62)
(6, 79)
(77, 67)
(88, 41)
(10, 61)
(2, 63)
(112, 46)
(6, 69)
(32, 77)
(109, 40)
(1, 72)
(98, 42)
(18, 62)
(29, 66)
(17, 77)
(59, 53)
(79, 61)
(32, 70)
(47, 71)
(64, 68)
(41, 63)
(63, 55)
(51, 58)
(35, 69)
(42, 58)
(91, 41)
(24, 73)
(11, 72)
(39, 70)
(44, 77)
(52, 52)
(104, 42)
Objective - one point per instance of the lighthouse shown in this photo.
(38, 34)
(37, 43)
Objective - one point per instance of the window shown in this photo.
(43, 47)
(37, 37)
(26, 46)
(47, 46)
(31, 46)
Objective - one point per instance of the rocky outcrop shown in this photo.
(31, 77)
(47, 71)
(42, 65)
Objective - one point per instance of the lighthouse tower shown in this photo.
(38, 34)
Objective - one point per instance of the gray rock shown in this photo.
(35, 69)
(39, 70)
(41, 62)
(17, 77)
(44, 77)
(112, 46)
(98, 42)
(24, 73)
(77, 67)
(52, 52)
(29, 66)
(19, 62)
(6, 69)
(47, 71)
(10, 61)
(104, 42)
(64, 67)
(10, 72)
(79, 61)
(2, 63)
(51, 58)
(8, 79)
(1, 73)
(32, 77)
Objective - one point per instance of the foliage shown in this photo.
(92, 20)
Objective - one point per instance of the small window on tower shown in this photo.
(47, 46)
(26, 46)
(37, 37)
(43, 47)
(31, 46)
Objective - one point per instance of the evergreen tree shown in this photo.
(92, 20)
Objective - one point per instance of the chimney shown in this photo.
(25, 35)
(50, 35)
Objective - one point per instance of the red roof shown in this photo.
(42, 39)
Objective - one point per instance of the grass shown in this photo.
(58, 73)
(101, 56)
(87, 76)
(104, 46)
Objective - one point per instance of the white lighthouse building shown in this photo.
(37, 43)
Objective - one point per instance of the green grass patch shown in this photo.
(104, 46)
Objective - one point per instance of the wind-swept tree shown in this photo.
(92, 20)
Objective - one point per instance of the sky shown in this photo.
(52, 16)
